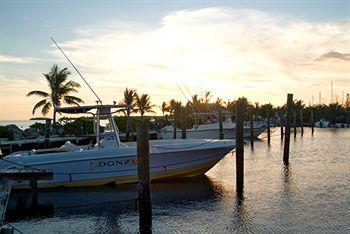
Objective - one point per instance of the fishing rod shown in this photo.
(99, 100)
(177, 84)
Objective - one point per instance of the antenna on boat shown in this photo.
(99, 100)
(183, 93)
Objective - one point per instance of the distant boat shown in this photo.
(211, 130)
(110, 161)
(322, 123)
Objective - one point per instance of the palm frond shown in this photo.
(46, 108)
(39, 104)
(38, 93)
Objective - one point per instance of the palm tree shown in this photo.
(129, 102)
(143, 104)
(164, 108)
(59, 91)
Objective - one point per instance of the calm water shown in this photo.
(311, 195)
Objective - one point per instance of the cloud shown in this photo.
(229, 51)
(12, 59)
(334, 55)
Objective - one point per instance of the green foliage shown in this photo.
(40, 126)
(80, 126)
(5, 133)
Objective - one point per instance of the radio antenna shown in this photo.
(76, 70)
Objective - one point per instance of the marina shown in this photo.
(311, 194)
(174, 117)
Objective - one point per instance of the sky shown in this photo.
(258, 49)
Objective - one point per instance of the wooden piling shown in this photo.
(144, 188)
(174, 124)
(287, 128)
(301, 122)
(295, 123)
(34, 185)
(183, 124)
(221, 129)
(312, 121)
(268, 125)
(251, 123)
(47, 133)
(281, 125)
(240, 109)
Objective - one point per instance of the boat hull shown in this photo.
(165, 162)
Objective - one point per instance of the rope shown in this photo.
(7, 223)
(94, 204)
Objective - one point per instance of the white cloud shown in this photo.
(13, 59)
(231, 52)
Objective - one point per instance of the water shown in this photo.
(311, 195)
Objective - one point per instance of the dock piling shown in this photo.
(287, 128)
(240, 109)
(221, 129)
(301, 122)
(34, 185)
(268, 125)
(251, 123)
(47, 133)
(183, 124)
(312, 121)
(281, 125)
(144, 188)
(295, 123)
(174, 124)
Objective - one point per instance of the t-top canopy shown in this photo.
(85, 109)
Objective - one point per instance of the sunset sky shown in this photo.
(258, 49)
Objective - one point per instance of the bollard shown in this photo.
(144, 188)
(287, 128)
(251, 129)
(312, 122)
(174, 124)
(240, 108)
(301, 122)
(295, 123)
(183, 124)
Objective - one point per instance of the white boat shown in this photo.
(211, 130)
(110, 161)
(322, 124)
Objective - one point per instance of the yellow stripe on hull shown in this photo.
(183, 172)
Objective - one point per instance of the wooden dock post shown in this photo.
(301, 122)
(221, 129)
(295, 123)
(174, 124)
(281, 125)
(144, 188)
(34, 185)
(251, 123)
(287, 128)
(240, 109)
(183, 124)
(268, 125)
(47, 133)
(312, 122)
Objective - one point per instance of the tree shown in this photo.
(143, 104)
(164, 108)
(129, 102)
(60, 90)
